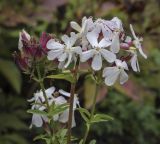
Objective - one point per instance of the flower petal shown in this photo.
(50, 91)
(75, 26)
(65, 38)
(52, 55)
(142, 53)
(69, 60)
(64, 116)
(77, 50)
(134, 63)
(52, 44)
(62, 57)
(123, 77)
(104, 43)
(97, 62)
(109, 71)
(37, 120)
(107, 55)
(115, 46)
(87, 55)
(73, 39)
(111, 76)
(61, 91)
(92, 38)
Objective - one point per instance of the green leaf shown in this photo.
(84, 113)
(65, 76)
(101, 118)
(92, 142)
(57, 109)
(37, 112)
(9, 70)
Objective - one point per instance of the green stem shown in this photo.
(92, 114)
(42, 86)
(71, 101)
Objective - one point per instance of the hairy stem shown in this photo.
(92, 114)
(42, 86)
(71, 101)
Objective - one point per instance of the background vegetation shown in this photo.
(135, 106)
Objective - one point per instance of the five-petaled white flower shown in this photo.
(39, 99)
(97, 51)
(64, 51)
(111, 74)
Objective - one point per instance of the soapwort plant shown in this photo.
(109, 53)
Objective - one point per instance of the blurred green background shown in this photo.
(135, 106)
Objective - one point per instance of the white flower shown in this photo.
(82, 30)
(98, 51)
(39, 99)
(64, 116)
(137, 42)
(111, 74)
(25, 36)
(64, 51)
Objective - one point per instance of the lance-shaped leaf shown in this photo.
(84, 113)
(101, 118)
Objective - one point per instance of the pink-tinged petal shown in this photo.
(104, 43)
(107, 55)
(115, 46)
(53, 54)
(111, 76)
(87, 55)
(44, 39)
(97, 62)
(62, 57)
(75, 26)
(123, 77)
(134, 63)
(52, 44)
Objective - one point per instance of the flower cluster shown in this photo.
(99, 43)
(30, 50)
(109, 54)
(56, 98)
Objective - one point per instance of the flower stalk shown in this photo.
(71, 101)
(40, 80)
